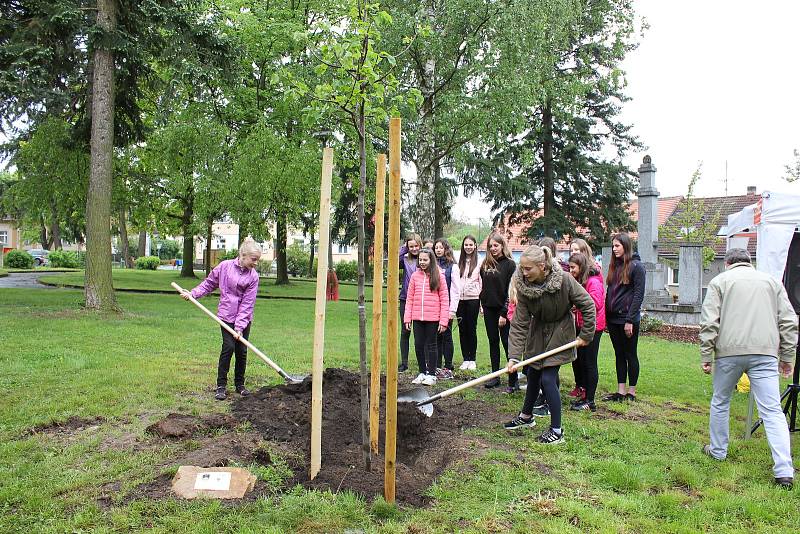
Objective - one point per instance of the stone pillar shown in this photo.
(647, 227)
(690, 274)
(606, 259)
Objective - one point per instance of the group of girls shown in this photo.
(543, 320)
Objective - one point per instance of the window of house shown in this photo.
(4, 237)
(673, 276)
(344, 248)
(221, 243)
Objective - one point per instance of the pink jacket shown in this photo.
(594, 286)
(422, 304)
(466, 288)
(238, 288)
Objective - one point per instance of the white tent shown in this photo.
(774, 218)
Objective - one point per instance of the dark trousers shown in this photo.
(444, 347)
(405, 336)
(496, 335)
(425, 334)
(467, 315)
(545, 379)
(625, 351)
(587, 361)
(577, 371)
(229, 347)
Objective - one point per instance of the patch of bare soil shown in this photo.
(671, 332)
(69, 428)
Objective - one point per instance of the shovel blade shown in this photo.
(415, 396)
(294, 379)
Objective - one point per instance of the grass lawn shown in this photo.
(638, 471)
(3, 272)
(160, 280)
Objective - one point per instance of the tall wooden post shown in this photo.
(319, 313)
(377, 306)
(393, 311)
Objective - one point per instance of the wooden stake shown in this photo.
(319, 313)
(392, 311)
(377, 306)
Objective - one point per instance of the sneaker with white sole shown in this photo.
(444, 374)
(472, 365)
(419, 379)
(542, 411)
(428, 380)
(520, 422)
(464, 365)
(550, 437)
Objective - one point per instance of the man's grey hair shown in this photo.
(737, 255)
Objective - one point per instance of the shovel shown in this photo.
(290, 379)
(422, 400)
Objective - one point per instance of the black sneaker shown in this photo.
(221, 395)
(493, 383)
(550, 437)
(581, 406)
(402, 368)
(520, 422)
(540, 401)
(614, 397)
(630, 397)
(786, 483)
(542, 411)
(243, 391)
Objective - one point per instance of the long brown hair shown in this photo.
(473, 258)
(583, 247)
(625, 264)
(582, 262)
(489, 263)
(448, 251)
(433, 268)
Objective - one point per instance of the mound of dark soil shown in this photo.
(182, 426)
(683, 334)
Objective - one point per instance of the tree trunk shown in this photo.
(282, 276)
(209, 237)
(547, 160)
(99, 290)
(441, 208)
(43, 234)
(311, 272)
(123, 236)
(243, 231)
(140, 249)
(366, 452)
(187, 269)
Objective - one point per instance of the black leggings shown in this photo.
(467, 314)
(425, 334)
(405, 336)
(546, 379)
(229, 347)
(625, 351)
(496, 334)
(444, 347)
(587, 361)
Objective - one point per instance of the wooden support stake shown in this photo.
(392, 311)
(319, 313)
(377, 306)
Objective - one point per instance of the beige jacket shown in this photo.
(747, 312)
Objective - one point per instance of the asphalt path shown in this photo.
(25, 280)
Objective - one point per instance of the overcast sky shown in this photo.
(712, 81)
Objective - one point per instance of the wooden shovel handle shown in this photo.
(234, 333)
(496, 374)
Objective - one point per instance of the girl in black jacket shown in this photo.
(624, 297)
(496, 272)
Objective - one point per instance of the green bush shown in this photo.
(169, 250)
(650, 324)
(227, 255)
(64, 258)
(18, 259)
(147, 263)
(347, 270)
(297, 260)
(264, 267)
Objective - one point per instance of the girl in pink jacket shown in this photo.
(427, 307)
(584, 271)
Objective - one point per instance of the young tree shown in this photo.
(793, 169)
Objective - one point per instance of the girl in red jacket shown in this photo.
(582, 268)
(427, 306)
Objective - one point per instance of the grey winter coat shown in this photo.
(543, 319)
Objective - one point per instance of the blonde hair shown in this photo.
(248, 247)
(583, 247)
(512, 293)
(538, 254)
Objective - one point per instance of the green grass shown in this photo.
(639, 471)
(3, 272)
(160, 281)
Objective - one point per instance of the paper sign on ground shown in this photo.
(213, 481)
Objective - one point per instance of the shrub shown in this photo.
(64, 258)
(264, 267)
(650, 324)
(19, 259)
(227, 255)
(347, 270)
(147, 263)
(297, 260)
(169, 248)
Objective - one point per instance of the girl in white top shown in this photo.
(465, 301)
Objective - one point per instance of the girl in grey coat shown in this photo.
(543, 321)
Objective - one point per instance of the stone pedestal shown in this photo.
(690, 274)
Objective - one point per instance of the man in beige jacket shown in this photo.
(748, 325)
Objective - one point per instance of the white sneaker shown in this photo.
(429, 380)
(464, 366)
(420, 379)
(473, 366)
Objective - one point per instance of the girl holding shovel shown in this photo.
(237, 281)
(542, 321)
